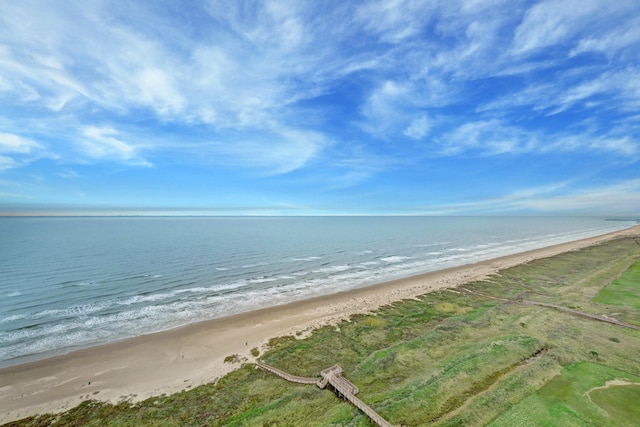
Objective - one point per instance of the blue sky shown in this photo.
(320, 107)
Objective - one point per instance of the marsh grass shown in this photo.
(444, 358)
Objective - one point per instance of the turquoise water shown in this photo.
(67, 283)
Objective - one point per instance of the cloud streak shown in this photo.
(618, 198)
(103, 143)
(16, 151)
(494, 137)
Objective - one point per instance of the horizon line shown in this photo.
(611, 217)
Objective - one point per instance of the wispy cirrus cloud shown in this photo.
(281, 152)
(15, 144)
(395, 21)
(495, 137)
(104, 143)
(612, 42)
(249, 73)
(418, 128)
(486, 138)
(16, 151)
(622, 196)
(550, 23)
(242, 75)
(620, 88)
(564, 197)
(340, 92)
(388, 109)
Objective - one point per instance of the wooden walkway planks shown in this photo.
(373, 415)
(333, 376)
(348, 391)
(286, 376)
(343, 386)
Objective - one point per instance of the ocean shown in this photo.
(70, 283)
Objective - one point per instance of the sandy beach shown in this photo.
(185, 357)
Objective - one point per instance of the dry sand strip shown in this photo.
(171, 361)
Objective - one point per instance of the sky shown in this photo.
(325, 107)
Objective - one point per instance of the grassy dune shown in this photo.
(458, 357)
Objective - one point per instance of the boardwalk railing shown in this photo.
(286, 376)
(348, 390)
(340, 384)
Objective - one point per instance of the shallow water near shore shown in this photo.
(67, 283)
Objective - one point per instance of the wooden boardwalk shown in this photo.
(286, 376)
(343, 387)
(346, 389)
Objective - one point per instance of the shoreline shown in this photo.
(194, 354)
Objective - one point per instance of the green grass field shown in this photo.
(579, 396)
(446, 359)
(624, 291)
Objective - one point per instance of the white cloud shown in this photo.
(157, 90)
(68, 174)
(435, 52)
(231, 76)
(346, 180)
(10, 143)
(419, 128)
(248, 68)
(494, 137)
(621, 197)
(282, 24)
(102, 143)
(7, 163)
(384, 107)
(232, 92)
(574, 89)
(619, 145)
(554, 21)
(473, 38)
(240, 71)
(620, 87)
(395, 20)
(611, 42)
(16, 151)
(393, 109)
(284, 151)
(490, 137)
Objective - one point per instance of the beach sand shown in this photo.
(185, 357)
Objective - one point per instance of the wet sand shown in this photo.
(174, 360)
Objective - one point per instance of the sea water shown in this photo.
(68, 283)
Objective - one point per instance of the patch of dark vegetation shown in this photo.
(234, 358)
